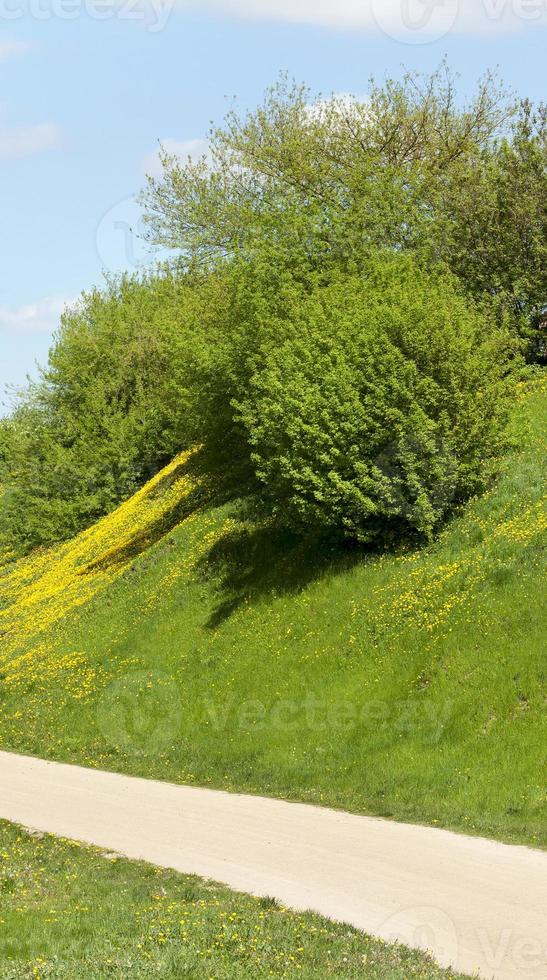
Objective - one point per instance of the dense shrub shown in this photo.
(107, 412)
(382, 401)
(347, 404)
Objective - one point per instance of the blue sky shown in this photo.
(84, 101)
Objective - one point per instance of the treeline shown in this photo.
(356, 289)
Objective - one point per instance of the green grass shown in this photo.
(405, 685)
(69, 912)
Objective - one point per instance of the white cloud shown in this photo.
(195, 149)
(39, 317)
(331, 13)
(10, 47)
(23, 141)
(405, 20)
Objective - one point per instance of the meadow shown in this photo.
(191, 642)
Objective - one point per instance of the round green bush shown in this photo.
(382, 402)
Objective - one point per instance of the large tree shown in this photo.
(327, 181)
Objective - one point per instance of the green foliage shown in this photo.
(378, 399)
(353, 405)
(410, 168)
(335, 175)
(495, 228)
(108, 411)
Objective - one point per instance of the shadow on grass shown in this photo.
(261, 560)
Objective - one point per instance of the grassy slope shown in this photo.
(405, 686)
(67, 912)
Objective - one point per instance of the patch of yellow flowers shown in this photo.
(38, 591)
(434, 590)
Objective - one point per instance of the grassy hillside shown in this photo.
(74, 912)
(184, 641)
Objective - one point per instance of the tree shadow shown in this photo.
(260, 560)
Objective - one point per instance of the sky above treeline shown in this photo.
(89, 88)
